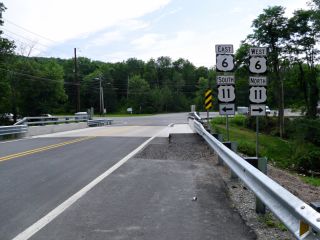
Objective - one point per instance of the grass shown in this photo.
(311, 180)
(287, 154)
(274, 148)
(271, 222)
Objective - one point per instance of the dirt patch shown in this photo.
(295, 185)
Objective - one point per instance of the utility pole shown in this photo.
(76, 80)
(128, 88)
(101, 104)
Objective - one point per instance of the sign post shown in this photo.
(225, 82)
(258, 97)
(258, 84)
(208, 103)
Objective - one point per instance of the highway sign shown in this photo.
(226, 93)
(258, 65)
(258, 51)
(257, 110)
(226, 109)
(258, 81)
(258, 94)
(224, 63)
(208, 99)
(225, 80)
(224, 49)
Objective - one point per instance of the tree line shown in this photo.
(31, 85)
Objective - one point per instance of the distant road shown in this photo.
(37, 174)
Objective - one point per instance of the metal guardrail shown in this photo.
(195, 116)
(99, 122)
(33, 121)
(295, 214)
(10, 130)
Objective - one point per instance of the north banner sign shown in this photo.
(258, 81)
(208, 99)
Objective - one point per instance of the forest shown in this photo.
(30, 86)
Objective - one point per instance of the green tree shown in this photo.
(38, 87)
(202, 86)
(139, 94)
(270, 29)
(6, 52)
(305, 33)
(150, 73)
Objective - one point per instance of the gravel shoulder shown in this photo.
(266, 227)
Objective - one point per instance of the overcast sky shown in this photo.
(115, 30)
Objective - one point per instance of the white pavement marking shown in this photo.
(16, 140)
(37, 226)
(176, 128)
(123, 131)
(63, 134)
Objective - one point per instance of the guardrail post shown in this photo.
(234, 147)
(315, 206)
(220, 138)
(261, 164)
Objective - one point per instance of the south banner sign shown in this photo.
(208, 99)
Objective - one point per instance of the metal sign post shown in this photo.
(257, 136)
(227, 127)
(225, 82)
(258, 84)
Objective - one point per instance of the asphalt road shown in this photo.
(81, 185)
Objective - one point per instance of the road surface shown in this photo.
(115, 182)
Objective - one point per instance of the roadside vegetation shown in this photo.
(299, 151)
(31, 86)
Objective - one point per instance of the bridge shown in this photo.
(151, 177)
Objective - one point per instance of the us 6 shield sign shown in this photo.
(224, 63)
(258, 65)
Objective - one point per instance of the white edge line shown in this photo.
(42, 222)
(15, 140)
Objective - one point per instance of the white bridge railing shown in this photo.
(34, 121)
(301, 219)
(10, 130)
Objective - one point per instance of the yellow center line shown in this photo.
(41, 149)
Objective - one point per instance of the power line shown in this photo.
(29, 31)
(25, 43)
(19, 35)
